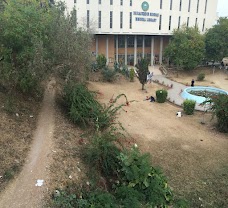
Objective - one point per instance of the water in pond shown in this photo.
(205, 93)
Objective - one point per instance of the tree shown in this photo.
(186, 48)
(142, 71)
(216, 43)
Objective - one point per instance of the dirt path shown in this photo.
(22, 192)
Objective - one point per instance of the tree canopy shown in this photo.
(216, 43)
(186, 48)
(142, 71)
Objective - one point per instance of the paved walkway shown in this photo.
(174, 93)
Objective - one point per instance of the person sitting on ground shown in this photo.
(152, 99)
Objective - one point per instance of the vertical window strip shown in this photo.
(87, 24)
(130, 2)
(121, 20)
(197, 8)
(130, 20)
(205, 10)
(180, 5)
(187, 21)
(75, 1)
(179, 19)
(111, 2)
(99, 1)
(203, 25)
(160, 21)
(196, 22)
(87, 1)
(121, 2)
(160, 4)
(171, 4)
(111, 19)
(189, 6)
(99, 19)
(170, 20)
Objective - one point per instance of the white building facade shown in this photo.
(126, 30)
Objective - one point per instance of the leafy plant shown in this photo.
(142, 71)
(219, 107)
(101, 61)
(200, 76)
(132, 75)
(189, 106)
(125, 71)
(109, 75)
(161, 95)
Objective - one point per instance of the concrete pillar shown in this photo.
(143, 47)
(152, 51)
(161, 50)
(125, 50)
(117, 49)
(96, 45)
(135, 50)
(107, 50)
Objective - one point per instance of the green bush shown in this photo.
(132, 75)
(109, 75)
(200, 76)
(136, 172)
(101, 61)
(86, 111)
(189, 106)
(161, 95)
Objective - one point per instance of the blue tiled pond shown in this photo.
(186, 94)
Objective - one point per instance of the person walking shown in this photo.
(192, 83)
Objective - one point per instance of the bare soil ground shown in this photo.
(193, 156)
(23, 191)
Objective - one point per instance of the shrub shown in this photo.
(109, 75)
(200, 76)
(136, 172)
(132, 75)
(189, 106)
(125, 71)
(86, 111)
(161, 95)
(101, 61)
(219, 107)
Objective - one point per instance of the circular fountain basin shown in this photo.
(199, 99)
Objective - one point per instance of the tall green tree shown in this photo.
(186, 48)
(142, 71)
(216, 43)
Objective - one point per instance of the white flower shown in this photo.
(135, 145)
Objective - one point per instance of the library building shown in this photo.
(126, 30)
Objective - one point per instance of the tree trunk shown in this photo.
(143, 86)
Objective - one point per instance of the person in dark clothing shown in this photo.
(192, 84)
(152, 99)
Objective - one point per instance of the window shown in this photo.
(171, 4)
(87, 1)
(160, 21)
(130, 20)
(121, 20)
(180, 5)
(130, 41)
(205, 10)
(99, 1)
(197, 8)
(87, 24)
(75, 1)
(130, 2)
(111, 19)
(203, 24)
(147, 41)
(139, 41)
(179, 20)
(99, 19)
(196, 22)
(111, 2)
(121, 2)
(121, 41)
(189, 6)
(170, 19)
(160, 4)
(187, 21)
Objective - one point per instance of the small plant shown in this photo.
(161, 95)
(200, 76)
(132, 75)
(125, 71)
(101, 61)
(109, 75)
(117, 66)
(189, 106)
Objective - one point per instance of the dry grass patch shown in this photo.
(18, 120)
